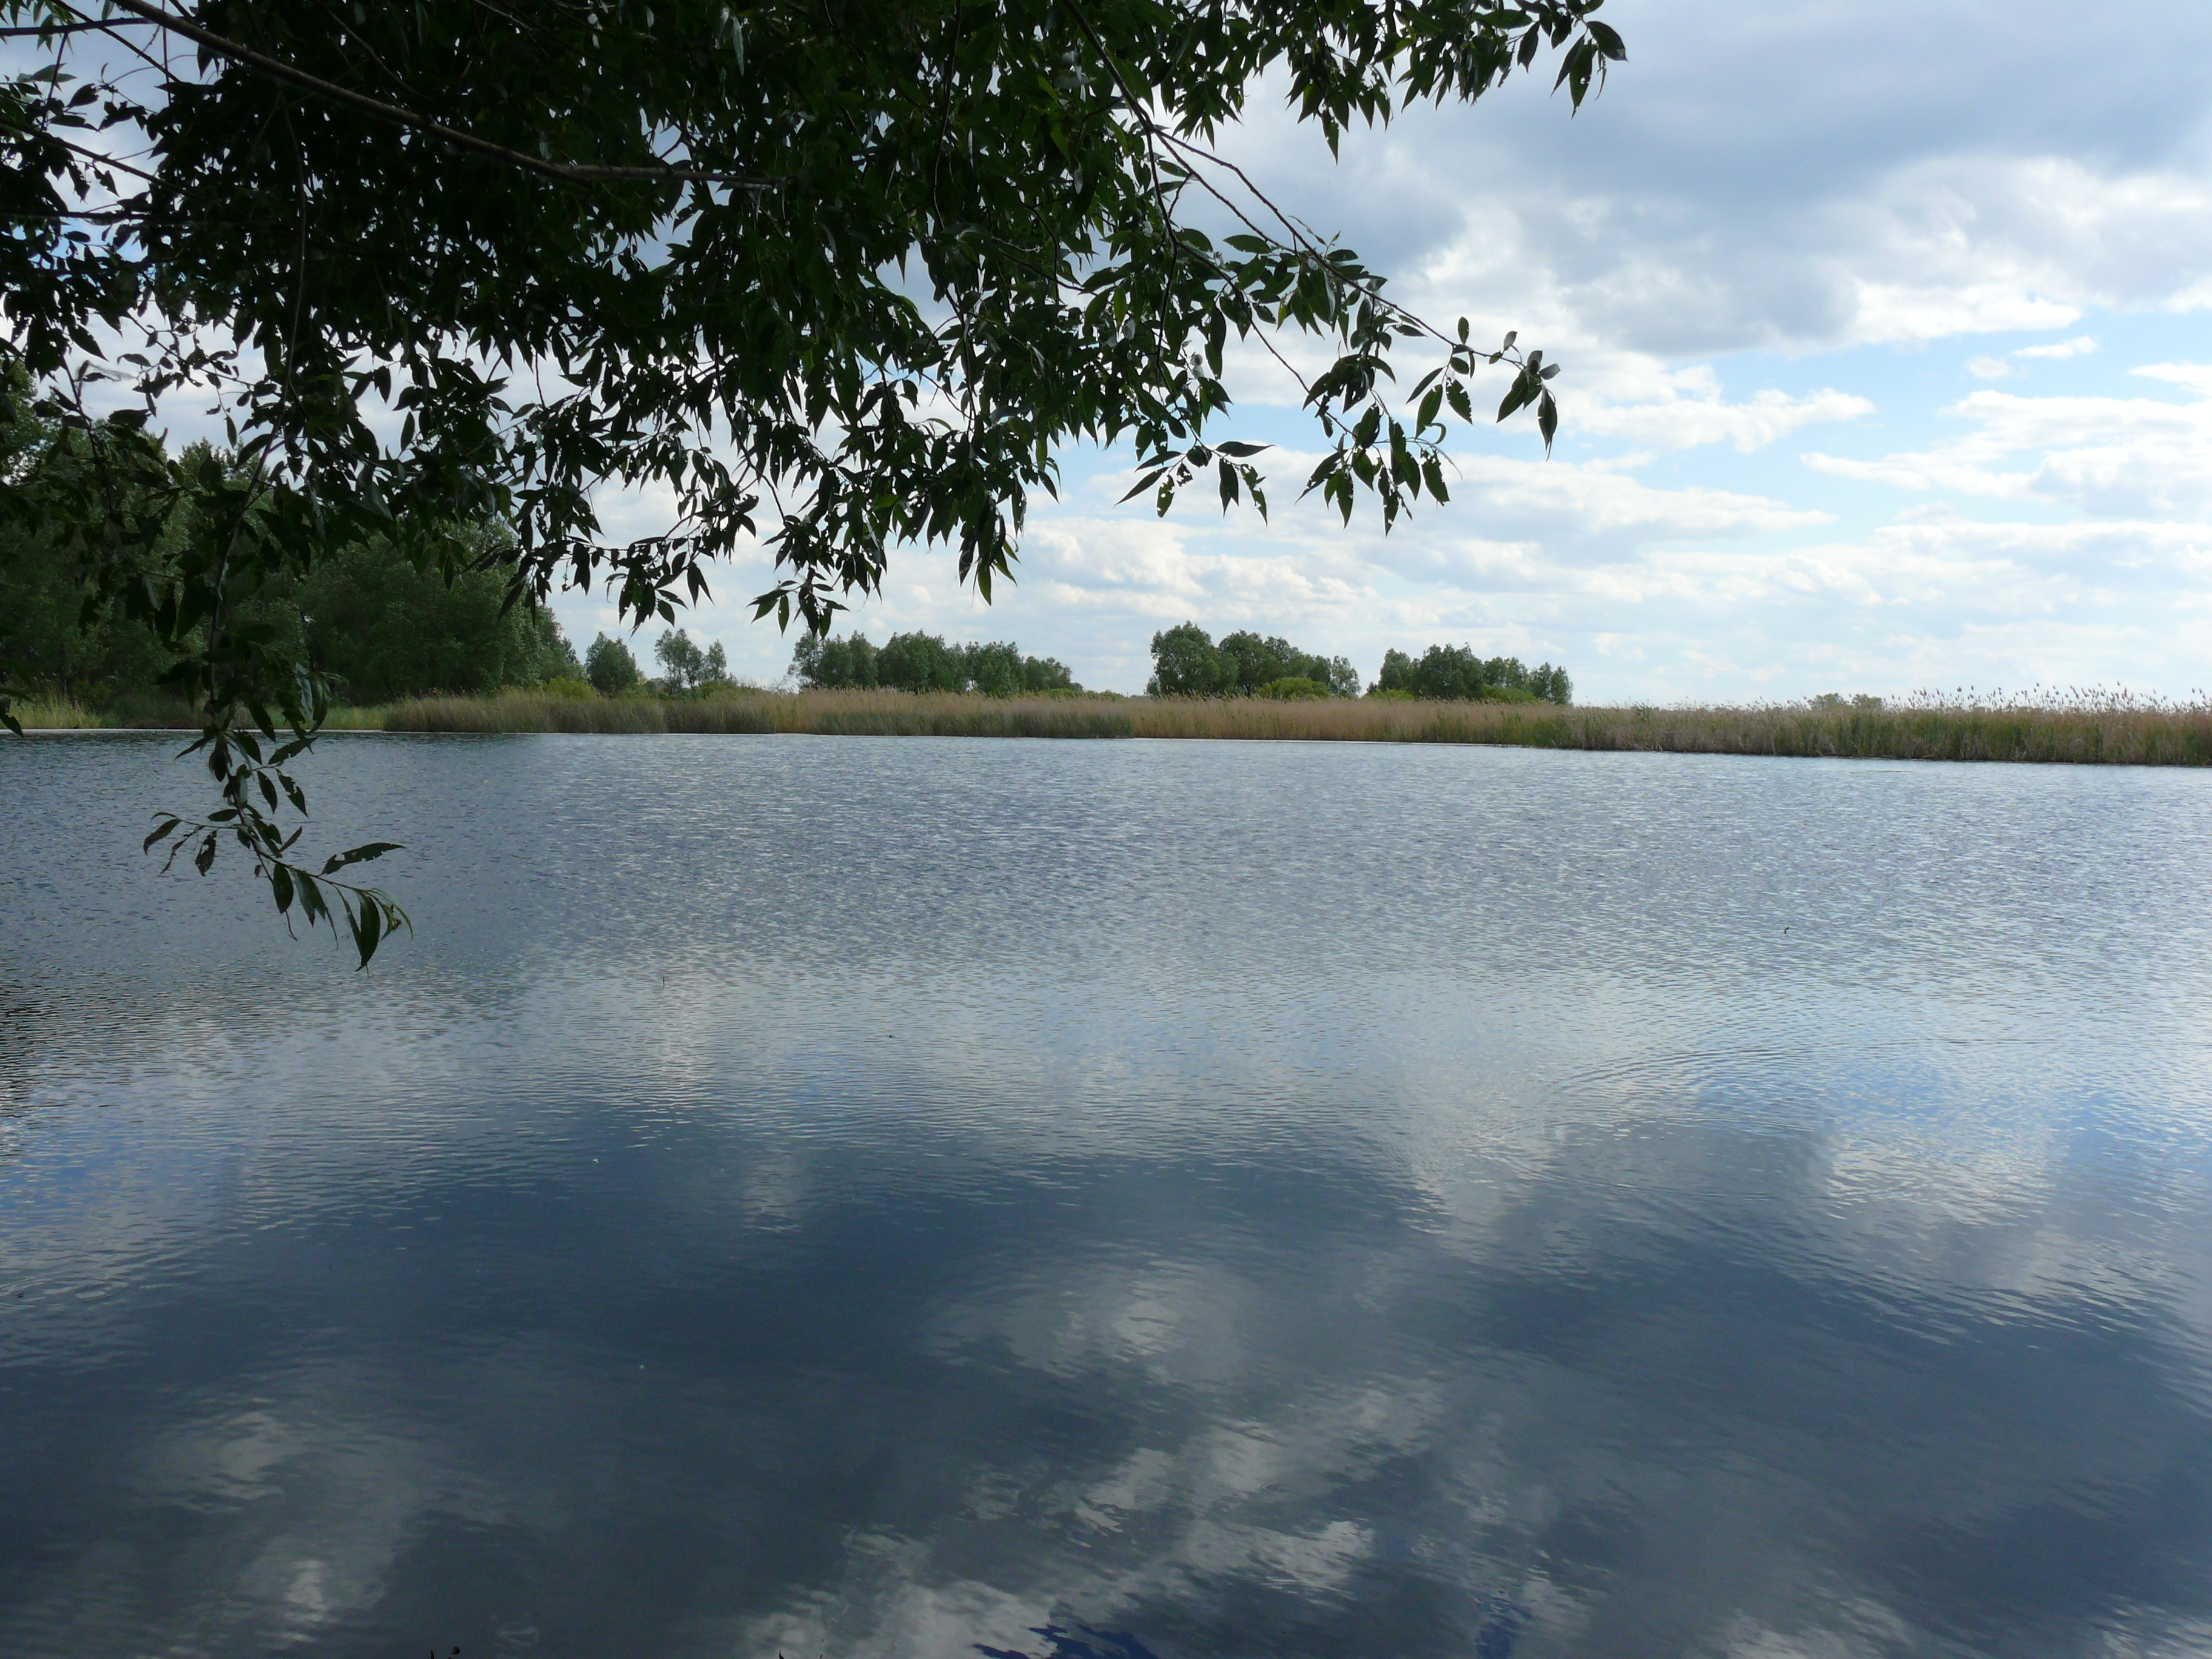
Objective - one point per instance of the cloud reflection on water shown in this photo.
(1148, 1217)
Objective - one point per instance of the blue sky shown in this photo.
(1882, 325)
(1887, 336)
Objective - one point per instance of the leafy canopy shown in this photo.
(840, 275)
(925, 662)
(1455, 673)
(1186, 663)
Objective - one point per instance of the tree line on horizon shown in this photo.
(385, 625)
(925, 662)
(380, 624)
(1188, 663)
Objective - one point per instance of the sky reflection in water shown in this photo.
(850, 1197)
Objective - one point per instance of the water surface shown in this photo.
(881, 1197)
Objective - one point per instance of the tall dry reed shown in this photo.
(2089, 727)
(838, 714)
(2084, 726)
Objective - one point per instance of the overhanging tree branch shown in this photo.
(569, 171)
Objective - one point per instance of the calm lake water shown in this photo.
(853, 1198)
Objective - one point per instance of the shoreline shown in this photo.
(2080, 730)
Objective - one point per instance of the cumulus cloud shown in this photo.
(1753, 235)
(1688, 422)
(2145, 457)
(2080, 346)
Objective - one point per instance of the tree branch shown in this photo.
(569, 171)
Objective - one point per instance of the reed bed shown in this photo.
(2090, 728)
(2081, 727)
(2093, 728)
(835, 714)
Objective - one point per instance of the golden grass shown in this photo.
(838, 713)
(2097, 728)
(2091, 727)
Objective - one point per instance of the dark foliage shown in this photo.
(371, 621)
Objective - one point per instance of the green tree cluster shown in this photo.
(685, 669)
(369, 619)
(382, 626)
(1455, 673)
(1186, 663)
(925, 662)
(609, 667)
(55, 629)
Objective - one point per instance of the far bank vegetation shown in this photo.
(2093, 728)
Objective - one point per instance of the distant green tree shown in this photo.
(685, 667)
(1046, 674)
(925, 662)
(921, 662)
(1186, 663)
(56, 626)
(381, 627)
(999, 670)
(1455, 673)
(824, 663)
(375, 624)
(609, 666)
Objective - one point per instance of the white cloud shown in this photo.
(2080, 346)
(1687, 422)
(2107, 456)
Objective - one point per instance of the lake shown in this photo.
(854, 1197)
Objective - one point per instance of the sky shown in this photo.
(1887, 342)
(1886, 332)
